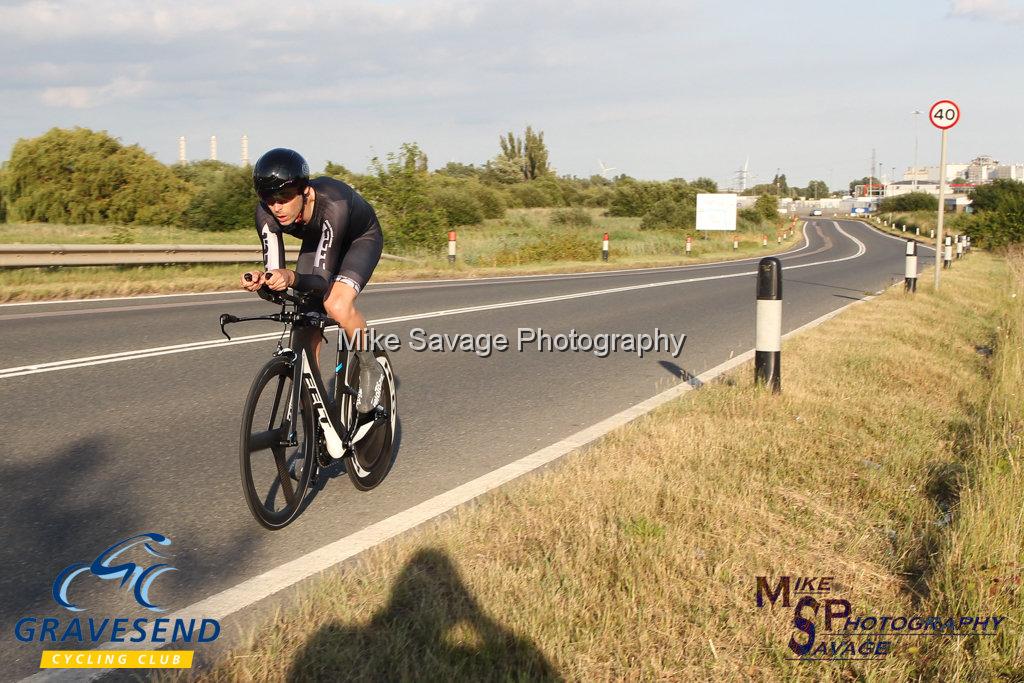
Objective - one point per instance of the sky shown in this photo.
(654, 89)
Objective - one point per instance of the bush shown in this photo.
(399, 190)
(225, 200)
(750, 215)
(563, 245)
(82, 176)
(529, 195)
(574, 216)
(669, 213)
(768, 206)
(459, 205)
(492, 202)
(912, 201)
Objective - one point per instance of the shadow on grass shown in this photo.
(431, 629)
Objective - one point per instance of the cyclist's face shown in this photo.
(285, 205)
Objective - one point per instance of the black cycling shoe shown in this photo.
(371, 382)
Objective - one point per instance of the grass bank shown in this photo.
(526, 241)
(892, 462)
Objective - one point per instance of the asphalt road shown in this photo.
(98, 452)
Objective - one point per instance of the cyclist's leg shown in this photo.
(340, 303)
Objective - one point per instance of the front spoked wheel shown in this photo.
(275, 471)
(374, 437)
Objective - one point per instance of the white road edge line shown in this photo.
(251, 591)
(373, 286)
(72, 363)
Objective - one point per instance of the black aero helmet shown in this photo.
(280, 169)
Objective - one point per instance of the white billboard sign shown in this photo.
(716, 211)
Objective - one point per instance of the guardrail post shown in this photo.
(910, 280)
(451, 246)
(768, 326)
(689, 245)
(947, 255)
(604, 248)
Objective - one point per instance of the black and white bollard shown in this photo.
(959, 247)
(735, 244)
(910, 277)
(917, 231)
(604, 248)
(451, 246)
(931, 234)
(947, 253)
(768, 327)
(689, 245)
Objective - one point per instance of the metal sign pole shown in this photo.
(942, 207)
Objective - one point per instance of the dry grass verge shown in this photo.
(891, 462)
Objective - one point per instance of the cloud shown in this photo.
(87, 97)
(988, 10)
(46, 20)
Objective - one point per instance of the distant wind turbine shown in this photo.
(605, 169)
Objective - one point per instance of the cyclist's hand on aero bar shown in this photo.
(279, 279)
(252, 280)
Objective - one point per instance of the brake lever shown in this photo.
(226, 319)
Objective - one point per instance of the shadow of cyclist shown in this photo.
(431, 629)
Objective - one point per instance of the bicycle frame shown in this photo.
(335, 430)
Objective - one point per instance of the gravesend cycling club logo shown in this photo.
(138, 578)
(826, 627)
(133, 564)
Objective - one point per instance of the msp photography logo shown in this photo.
(827, 629)
(133, 564)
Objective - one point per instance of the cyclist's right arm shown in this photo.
(272, 246)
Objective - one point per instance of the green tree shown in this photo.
(528, 153)
(706, 185)
(911, 201)
(999, 195)
(399, 189)
(225, 199)
(83, 176)
(998, 218)
(670, 213)
(768, 206)
(817, 189)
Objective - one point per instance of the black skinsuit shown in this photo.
(341, 243)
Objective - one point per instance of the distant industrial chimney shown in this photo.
(181, 150)
(213, 147)
(245, 149)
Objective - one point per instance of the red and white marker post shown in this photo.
(689, 245)
(451, 246)
(604, 248)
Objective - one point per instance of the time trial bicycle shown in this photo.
(292, 427)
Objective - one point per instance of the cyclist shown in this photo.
(341, 245)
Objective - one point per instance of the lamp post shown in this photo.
(917, 118)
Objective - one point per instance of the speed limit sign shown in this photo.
(944, 114)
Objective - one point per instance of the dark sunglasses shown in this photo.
(281, 196)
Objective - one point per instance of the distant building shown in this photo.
(1009, 172)
(931, 173)
(981, 170)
